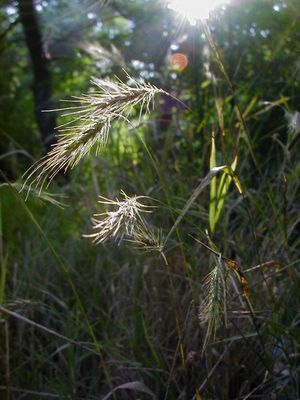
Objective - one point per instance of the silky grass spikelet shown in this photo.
(90, 127)
(125, 221)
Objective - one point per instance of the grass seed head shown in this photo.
(92, 113)
(214, 304)
(125, 221)
(147, 237)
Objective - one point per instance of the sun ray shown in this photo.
(194, 10)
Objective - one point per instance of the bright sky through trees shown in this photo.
(195, 9)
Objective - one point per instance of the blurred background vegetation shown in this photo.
(78, 320)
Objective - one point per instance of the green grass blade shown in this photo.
(223, 188)
(213, 187)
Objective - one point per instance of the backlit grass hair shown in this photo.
(126, 221)
(93, 113)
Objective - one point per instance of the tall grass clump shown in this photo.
(93, 117)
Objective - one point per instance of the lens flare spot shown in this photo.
(179, 61)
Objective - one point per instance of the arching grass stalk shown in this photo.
(203, 184)
(167, 197)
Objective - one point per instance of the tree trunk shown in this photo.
(41, 74)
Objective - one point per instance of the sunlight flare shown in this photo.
(194, 10)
